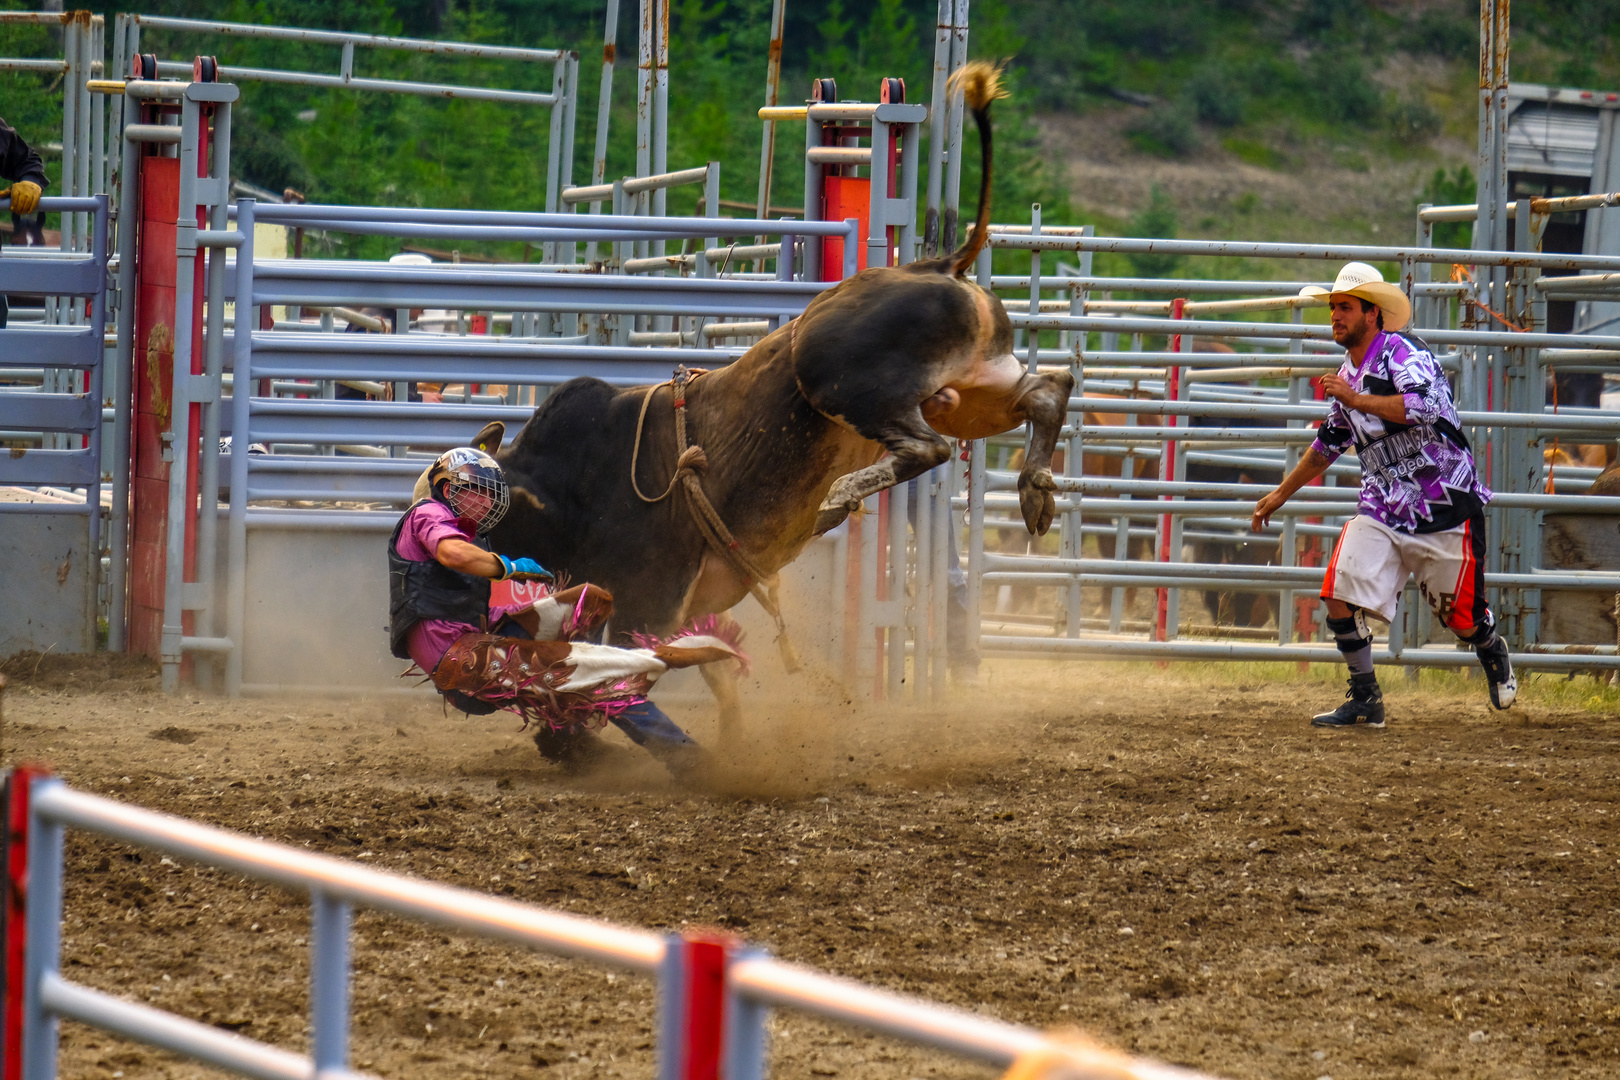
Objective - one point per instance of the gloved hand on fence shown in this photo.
(24, 196)
(522, 570)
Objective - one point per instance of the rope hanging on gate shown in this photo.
(691, 462)
(1460, 273)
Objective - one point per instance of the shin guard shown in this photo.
(1354, 640)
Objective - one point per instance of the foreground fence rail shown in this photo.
(697, 1015)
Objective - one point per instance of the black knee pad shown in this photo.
(1350, 634)
(1482, 634)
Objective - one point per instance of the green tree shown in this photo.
(1156, 221)
(1448, 190)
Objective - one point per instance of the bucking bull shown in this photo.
(861, 392)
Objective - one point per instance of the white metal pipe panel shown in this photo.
(460, 909)
(338, 37)
(1441, 656)
(1325, 252)
(773, 982)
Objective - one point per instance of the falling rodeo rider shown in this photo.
(1422, 503)
(440, 571)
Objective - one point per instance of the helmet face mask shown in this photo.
(471, 484)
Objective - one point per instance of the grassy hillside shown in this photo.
(1255, 118)
(1318, 120)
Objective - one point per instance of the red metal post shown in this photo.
(13, 909)
(267, 321)
(844, 197)
(705, 1013)
(156, 264)
(1167, 471)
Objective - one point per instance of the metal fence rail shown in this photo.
(734, 1008)
(1177, 408)
(562, 98)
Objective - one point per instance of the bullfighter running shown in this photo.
(530, 659)
(1422, 501)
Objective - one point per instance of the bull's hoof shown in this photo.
(830, 517)
(1036, 500)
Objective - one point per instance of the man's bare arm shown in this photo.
(1391, 407)
(1311, 466)
(468, 558)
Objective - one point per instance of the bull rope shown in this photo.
(691, 462)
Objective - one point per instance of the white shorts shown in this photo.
(1371, 563)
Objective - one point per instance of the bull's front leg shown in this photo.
(913, 448)
(1044, 402)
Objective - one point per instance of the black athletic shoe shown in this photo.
(1363, 706)
(1498, 672)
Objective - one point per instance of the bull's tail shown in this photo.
(980, 84)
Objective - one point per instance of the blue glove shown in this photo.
(522, 570)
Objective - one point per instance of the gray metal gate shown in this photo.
(51, 416)
(243, 600)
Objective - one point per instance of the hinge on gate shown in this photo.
(167, 439)
(210, 190)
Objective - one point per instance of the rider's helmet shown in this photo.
(469, 482)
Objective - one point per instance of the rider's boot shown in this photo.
(1493, 657)
(1363, 705)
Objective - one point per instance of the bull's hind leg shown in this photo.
(722, 680)
(1043, 402)
(913, 448)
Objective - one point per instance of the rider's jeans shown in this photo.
(648, 726)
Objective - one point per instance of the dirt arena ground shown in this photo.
(1169, 859)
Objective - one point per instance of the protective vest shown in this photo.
(430, 590)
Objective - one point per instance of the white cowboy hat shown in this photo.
(1359, 279)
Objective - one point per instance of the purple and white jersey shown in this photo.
(1417, 477)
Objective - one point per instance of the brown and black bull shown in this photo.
(864, 390)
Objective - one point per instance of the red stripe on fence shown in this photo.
(13, 907)
(1167, 471)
